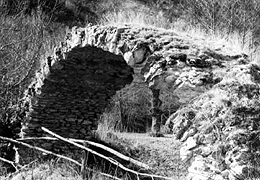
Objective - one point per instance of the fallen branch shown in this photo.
(39, 149)
(48, 152)
(104, 157)
(18, 170)
(104, 174)
(120, 155)
(12, 163)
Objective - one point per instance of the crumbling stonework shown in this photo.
(76, 91)
(218, 128)
(71, 91)
(166, 59)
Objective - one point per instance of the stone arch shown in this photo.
(76, 91)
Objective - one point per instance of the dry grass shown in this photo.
(143, 17)
(25, 43)
(52, 170)
(25, 40)
(134, 13)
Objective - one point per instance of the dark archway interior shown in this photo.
(76, 92)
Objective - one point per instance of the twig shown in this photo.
(120, 155)
(39, 149)
(19, 170)
(102, 156)
(34, 59)
(11, 162)
(12, 43)
(84, 162)
(49, 152)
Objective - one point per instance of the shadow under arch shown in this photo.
(76, 92)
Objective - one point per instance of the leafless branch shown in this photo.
(16, 166)
(47, 152)
(120, 155)
(39, 149)
(104, 157)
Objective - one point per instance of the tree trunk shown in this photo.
(156, 111)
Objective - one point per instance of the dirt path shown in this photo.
(160, 153)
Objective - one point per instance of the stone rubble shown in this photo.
(225, 144)
(70, 92)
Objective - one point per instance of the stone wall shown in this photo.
(76, 91)
(70, 92)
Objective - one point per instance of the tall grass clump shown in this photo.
(134, 12)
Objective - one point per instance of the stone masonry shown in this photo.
(217, 87)
(70, 92)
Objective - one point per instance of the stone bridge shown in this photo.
(218, 87)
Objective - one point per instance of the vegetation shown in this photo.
(30, 29)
